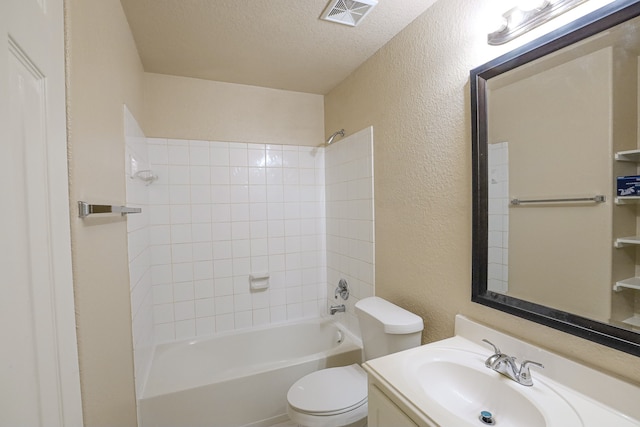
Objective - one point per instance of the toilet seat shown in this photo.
(329, 391)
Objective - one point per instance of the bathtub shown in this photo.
(242, 378)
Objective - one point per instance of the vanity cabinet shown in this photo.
(384, 413)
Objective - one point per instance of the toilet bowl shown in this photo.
(332, 397)
(337, 397)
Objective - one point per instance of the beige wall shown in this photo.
(185, 108)
(103, 73)
(415, 93)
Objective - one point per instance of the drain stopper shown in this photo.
(487, 418)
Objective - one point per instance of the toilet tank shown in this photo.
(387, 328)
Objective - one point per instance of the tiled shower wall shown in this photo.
(350, 220)
(221, 212)
(138, 249)
(498, 262)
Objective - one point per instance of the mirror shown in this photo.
(554, 124)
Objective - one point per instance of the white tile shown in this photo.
(181, 233)
(223, 287)
(178, 155)
(199, 154)
(201, 232)
(221, 212)
(243, 319)
(184, 310)
(278, 313)
(239, 175)
(180, 214)
(242, 302)
(182, 292)
(162, 294)
(242, 266)
(224, 322)
(277, 245)
(222, 268)
(240, 212)
(259, 229)
(238, 194)
(220, 175)
(203, 288)
(224, 305)
(240, 230)
(159, 215)
(161, 274)
(256, 155)
(219, 155)
(257, 193)
(165, 332)
(163, 313)
(160, 254)
(259, 247)
(259, 263)
(200, 175)
(182, 272)
(205, 326)
(202, 270)
(290, 157)
(205, 307)
(181, 252)
(238, 156)
(220, 194)
(202, 251)
(274, 176)
(185, 329)
(261, 317)
(179, 194)
(221, 231)
(222, 249)
(201, 213)
(241, 248)
(179, 175)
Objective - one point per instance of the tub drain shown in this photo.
(487, 418)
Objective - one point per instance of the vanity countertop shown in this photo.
(584, 396)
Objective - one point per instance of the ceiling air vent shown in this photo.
(348, 12)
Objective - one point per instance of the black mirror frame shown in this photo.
(602, 19)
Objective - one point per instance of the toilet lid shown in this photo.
(329, 391)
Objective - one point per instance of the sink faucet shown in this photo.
(507, 366)
(337, 309)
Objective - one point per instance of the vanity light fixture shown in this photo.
(527, 16)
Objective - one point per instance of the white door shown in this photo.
(39, 378)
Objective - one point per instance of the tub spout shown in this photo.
(337, 309)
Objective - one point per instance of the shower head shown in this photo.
(335, 134)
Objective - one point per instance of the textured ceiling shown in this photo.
(279, 44)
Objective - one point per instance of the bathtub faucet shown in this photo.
(337, 309)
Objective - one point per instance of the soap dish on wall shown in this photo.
(259, 282)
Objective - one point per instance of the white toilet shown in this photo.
(337, 397)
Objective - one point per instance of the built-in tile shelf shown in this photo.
(623, 200)
(628, 156)
(621, 242)
(630, 283)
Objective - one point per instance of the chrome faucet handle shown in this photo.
(496, 350)
(524, 375)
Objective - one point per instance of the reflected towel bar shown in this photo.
(85, 209)
(600, 198)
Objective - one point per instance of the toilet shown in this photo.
(337, 397)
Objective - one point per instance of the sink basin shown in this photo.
(457, 387)
(446, 383)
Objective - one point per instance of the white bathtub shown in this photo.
(242, 378)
